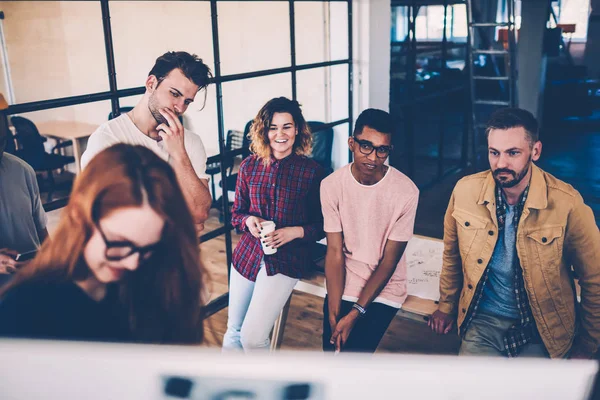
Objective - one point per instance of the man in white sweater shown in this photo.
(171, 87)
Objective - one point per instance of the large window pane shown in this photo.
(399, 24)
(323, 93)
(458, 21)
(321, 31)
(253, 36)
(339, 92)
(54, 49)
(311, 32)
(312, 91)
(144, 30)
(339, 157)
(430, 23)
(242, 99)
(338, 14)
(575, 12)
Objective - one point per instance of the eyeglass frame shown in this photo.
(111, 244)
(373, 148)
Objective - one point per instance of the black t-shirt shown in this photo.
(62, 311)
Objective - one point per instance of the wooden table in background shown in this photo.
(68, 130)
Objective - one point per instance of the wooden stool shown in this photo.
(317, 251)
(279, 326)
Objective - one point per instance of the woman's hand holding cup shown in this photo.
(253, 224)
(282, 236)
(267, 229)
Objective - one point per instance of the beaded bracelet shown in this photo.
(361, 310)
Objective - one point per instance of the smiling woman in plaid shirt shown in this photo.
(277, 183)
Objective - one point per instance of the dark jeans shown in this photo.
(368, 330)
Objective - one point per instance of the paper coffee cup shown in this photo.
(267, 227)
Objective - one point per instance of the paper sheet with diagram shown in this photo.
(424, 265)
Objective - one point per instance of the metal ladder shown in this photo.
(500, 82)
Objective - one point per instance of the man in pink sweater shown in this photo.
(369, 212)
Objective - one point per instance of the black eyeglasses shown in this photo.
(117, 250)
(367, 148)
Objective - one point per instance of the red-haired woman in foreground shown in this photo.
(123, 264)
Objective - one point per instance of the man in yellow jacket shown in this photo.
(514, 239)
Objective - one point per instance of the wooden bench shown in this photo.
(414, 307)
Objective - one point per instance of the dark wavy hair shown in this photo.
(162, 296)
(259, 131)
(190, 65)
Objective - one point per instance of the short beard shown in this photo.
(517, 178)
(153, 108)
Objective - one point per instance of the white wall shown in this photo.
(371, 67)
(374, 54)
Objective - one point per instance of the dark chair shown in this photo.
(230, 176)
(122, 110)
(10, 146)
(233, 141)
(322, 144)
(32, 151)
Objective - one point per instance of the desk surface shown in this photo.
(66, 129)
(419, 306)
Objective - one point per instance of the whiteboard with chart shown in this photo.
(424, 265)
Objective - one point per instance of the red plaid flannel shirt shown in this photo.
(286, 192)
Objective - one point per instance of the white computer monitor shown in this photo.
(36, 370)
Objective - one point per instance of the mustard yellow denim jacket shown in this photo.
(556, 231)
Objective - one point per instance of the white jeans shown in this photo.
(253, 308)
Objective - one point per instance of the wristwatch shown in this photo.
(361, 310)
